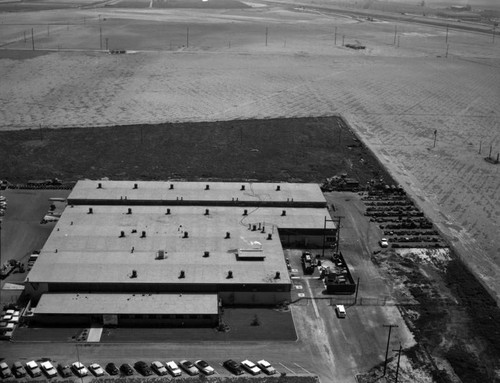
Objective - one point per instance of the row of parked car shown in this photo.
(35, 369)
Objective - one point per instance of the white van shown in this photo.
(340, 309)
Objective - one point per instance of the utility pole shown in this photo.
(324, 235)
(357, 289)
(339, 217)
(399, 358)
(32, 39)
(266, 35)
(100, 38)
(395, 33)
(435, 135)
(388, 341)
(480, 142)
(447, 34)
(447, 46)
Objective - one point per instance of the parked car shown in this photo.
(79, 369)
(48, 369)
(143, 368)
(189, 367)
(159, 368)
(112, 369)
(173, 368)
(384, 242)
(340, 309)
(233, 367)
(64, 370)
(18, 370)
(33, 369)
(127, 369)
(96, 369)
(5, 371)
(265, 366)
(250, 367)
(204, 367)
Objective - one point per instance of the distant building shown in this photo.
(165, 253)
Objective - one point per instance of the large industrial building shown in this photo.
(171, 253)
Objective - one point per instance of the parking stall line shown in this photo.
(289, 369)
(299, 366)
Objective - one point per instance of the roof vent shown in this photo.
(242, 187)
(206, 254)
(135, 186)
(277, 276)
(91, 211)
(122, 234)
(168, 212)
(182, 274)
(207, 187)
(278, 188)
(254, 227)
(171, 186)
(269, 236)
(129, 211)
(245, 212)
(228, 235)
(207, 212)
(283, 213)
(143, 235)
(186, 235)
(229, 274)
(161, 254)
(134, 274)
(263, 229)
(99, 185)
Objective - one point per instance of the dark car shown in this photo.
(233, 366)
(64, 370)
(143, 368)
(111, 369)
(127, 369)
(18, 370)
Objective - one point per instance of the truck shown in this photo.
(308, 262)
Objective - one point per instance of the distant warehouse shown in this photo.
(172, 253)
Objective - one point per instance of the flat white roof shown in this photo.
(196, 191)
(52, 303)
(88, 248)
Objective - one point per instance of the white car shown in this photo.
(173, 368)
(79, 369)
(96, 369)
(265, 366)
(48, 369)
(204, 367)
(33, 369)
(189, 367)
(250, 367)
(159, 368)
(384, 242)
